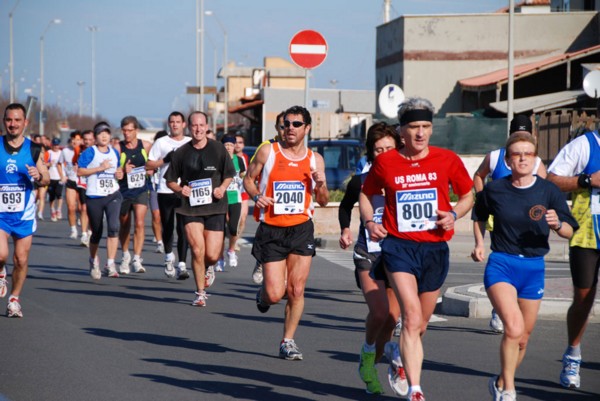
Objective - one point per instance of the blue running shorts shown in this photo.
(525, 274)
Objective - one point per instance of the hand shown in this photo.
(376, 231)
(445, 220)
(33, 172)
(264, 201)
(186, 191)
(105, 165)
(129, 166)
(478, 253)
(552, 219)
(119, 173)
(318, 177)
(345, 238)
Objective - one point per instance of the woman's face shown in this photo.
(103, 138)
(383, 145)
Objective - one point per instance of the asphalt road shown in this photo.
(138, 338)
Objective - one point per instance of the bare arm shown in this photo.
(482, 172)
(254, 170)
(318, 175)
(376, 231)
(478, 253)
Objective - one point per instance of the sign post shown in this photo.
(308, 49)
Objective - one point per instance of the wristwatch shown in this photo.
(255, 199)
(584, 180)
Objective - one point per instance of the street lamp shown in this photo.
(80, 84)
(214, 116)
(52, 22)
(225, 94)
(11, 63)
(93, 29)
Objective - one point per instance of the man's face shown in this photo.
(239, 144)
(89, 140)
(14, 122)
(198, 127)
(293, 134)
(279, 127)
(416, 135)
(129, 132)
(176, 125)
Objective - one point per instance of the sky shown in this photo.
(146, 49)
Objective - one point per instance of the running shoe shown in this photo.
(396, 374)
(368, 372)
(496, 323)
(398, 328)
(160, 247)
(53, 216)
(569, 376)
(257, 273)
(13, 309)
(95, 268)
(220, 266)
(209, 277)
(74, 234)
(3, 284)
(111, 271)
(288, 350)
(85, 239)
(416, 396)
(200, 299)
(182, 273)
(40, 215)
(170, 268)
(261, 305)
(233, 259)
(59, 214)
(125, 262)
(508, 395)
(137, 266)
(493, 387)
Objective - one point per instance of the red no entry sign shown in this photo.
(308, 49)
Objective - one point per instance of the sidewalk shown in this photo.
(471, 300)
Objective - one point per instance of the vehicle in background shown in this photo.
(341, 157)
(249, 151)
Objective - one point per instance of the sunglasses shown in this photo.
(518, 155)
(295, 124)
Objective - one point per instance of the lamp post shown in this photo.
(200, 54)
(80, 84)
(225, 89)
(52, 22)
(93, 29)
(11, 62)
(214, 116)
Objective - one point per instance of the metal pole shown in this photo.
(225, 75)
(11, 62)
(80, 83)
(511, 63)
(93, 29)
(202, 56)
(42, 85)
(306, 97)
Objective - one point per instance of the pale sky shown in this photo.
(146, 51)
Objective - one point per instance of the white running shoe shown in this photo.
(3, 284)
(569, 376)
(493, 388)
(233, 259)
(74, 234)
(125, 262)
(85, 239)
(170, 268)
(398, 328)
(209, 277)
(40, 216)
(508, 395)
(111, 271)
(182, 273)
(396, 374)
(95, 269)
(200, 299)
(13, 309)
(496, 323)
(257, 274)
(137, 266)
(160, 247)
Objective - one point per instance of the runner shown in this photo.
(239, 151)
(134, 189)
(88, 141)
(71, 193)
(160, 158)
(153, 182)
(100, 164)
(284, 241)
(381, 301)
(200, 172)
(525, 209)
(418, 220)
(22, 165)
(57, 178)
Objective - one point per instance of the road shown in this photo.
(138, 338)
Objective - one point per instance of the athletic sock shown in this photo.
(573, 351)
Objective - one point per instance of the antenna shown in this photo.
(390, 98)
(591, 84)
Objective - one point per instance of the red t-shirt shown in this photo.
(245, 195)
(415, 189)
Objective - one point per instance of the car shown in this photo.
(341, 157)
(249, 151)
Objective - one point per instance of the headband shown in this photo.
(416, 115)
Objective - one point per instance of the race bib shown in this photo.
(415, 209)
(595, 201)
(136, 178)
(106, 184)
(289, 197)
(233, 185)
(12, 198)
(201, 192)
(374, 246)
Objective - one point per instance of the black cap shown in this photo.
(521, 123)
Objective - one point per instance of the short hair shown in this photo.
(520, 136)
(193, 113)
(176, 114)
(280, 115)
(240, 135)
(130, 120)
(295, 110)
(15, 106)
(86, 131)
(375, 133)
(74, 134)
(415, 103)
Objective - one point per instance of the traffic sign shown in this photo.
(308, 49)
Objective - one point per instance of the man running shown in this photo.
(71, 193)
(284, 241)
(200, 173)
(22, 165)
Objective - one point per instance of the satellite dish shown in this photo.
(591, 84)
(390, 98)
